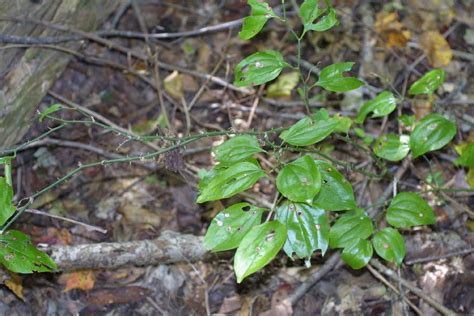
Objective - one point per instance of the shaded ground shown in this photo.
(139, 200)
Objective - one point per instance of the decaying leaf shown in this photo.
(15, 284)
(391, 30)
(83, 280)
(437, 48)
(283, 85)
(174, 85)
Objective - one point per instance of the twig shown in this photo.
(463, 252)
(393, 275)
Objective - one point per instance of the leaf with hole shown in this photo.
(299, 180)
(390, 245)
(392, 147)
(309, 12)
(308, 131)
(336, 192)
(428, 83)
(231, 225)
(7, 209)
(348, 227)
(258, 248)
(261, 12)
(408, 209)
(228, 182)
(19, 255)
(382, 105)
(237, 148)
(431, 133)
(331, 78)
(50, 110)
(357, 253)
(307, 228)
(259, 68)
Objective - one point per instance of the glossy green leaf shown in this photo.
(50, 110)
(408, 209)
(331, 78)
(237, 148)
(299, 180)
(18, 254)
(344, 125)
(390, 245)
(7, 209)
(253, 24)
(308, 131)
(382, 105)
(336, 192)
(231, 225)
(259, 68)
(307, 228)
(392, 147)
(258, 248)
(431, 133)
(326, 22)
(467, 157)
(228, 182)
(309, 12)
(357, 253)
(349, 227)
(428, 83)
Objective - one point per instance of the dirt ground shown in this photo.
(139, 200)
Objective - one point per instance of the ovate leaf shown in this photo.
(237, 149)
(431, 133)
(258, 248)
(358, 253)
(408, 209)
(309, 12)
(230, 226)
(392, 147)
(382, 105)
(349, 227)
(308, 131)
(7, 209)
(253, 24)
(228, 182)
(467, 157)
(283, 85)
(390, 245)
(18, 254)
(336, 192)
(299, 180)
(326, 22)
(307, 228)
(259, 68)
(50, 110)
(331, 78)
(428, 83)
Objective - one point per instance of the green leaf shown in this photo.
(19, 255)
(53, 108)
(231, 225)
(7, 209)
(357, 253)
(392, 147)
(467, 157)
(331, 78)
(228, 182)
(309, 12)
(253, 24)
(382, 105)
(390, 245)
(258, 248)
(237, 148)
(308, 131)
(336, 192)
(359, 132)
(307, 228)
(407, 120)
(299, 180)
(431, 133)
(348, 227)
(344, 124)
(259, 68)
(284, 85)
(428, 83)
(408, 209)
(326, 22)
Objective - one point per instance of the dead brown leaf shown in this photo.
(15, 284)
(83, 280)
(391, 30)
(437, 48)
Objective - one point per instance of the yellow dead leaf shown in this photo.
(437, 48)
(421, 108)
(174, 85)
(15, 284)
(391, 30)
(283, 85)
(83, 279)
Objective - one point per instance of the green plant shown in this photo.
(314, 207)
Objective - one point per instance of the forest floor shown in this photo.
(392, 45)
